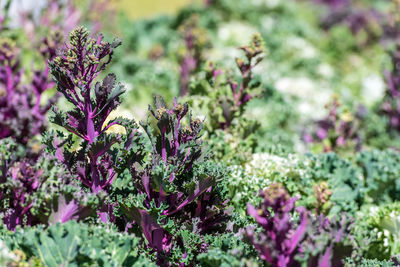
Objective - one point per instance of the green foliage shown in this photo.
(342, 177)
(383, 224)
(179, 194)
(75, 244)
(226, 250)
(368, 263)
(381, 172)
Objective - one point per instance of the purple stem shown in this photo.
(163, 145)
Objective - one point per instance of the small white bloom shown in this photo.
(373, 88)
(325, 70)
(236, 33)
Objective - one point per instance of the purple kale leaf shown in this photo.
(315, 240)
(98, 162)
(196, 40)
(391, 103)
(328, 241)
(101, 156)
(337, 130)
(35, 188)
(280, 241)
(177, 184)
(22, 116)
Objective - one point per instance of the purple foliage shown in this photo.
(280, 241)
(29, 194)
(74, 70)
(283, 242)
(102, 156)
(172, 182)
(326, 241)
(21, 114)
(196, 40)
(253, 56)
(58, 15)
(242, 90)
(333, 3)
(25, 180)
(356, 17)
(391, 103)
(338, 129)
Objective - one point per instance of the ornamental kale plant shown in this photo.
(196, 40)
(36, 189)
(56, 16)
(285, 242)
(380, 170)
(96, 163)
(230, 96)
(225, 97)
(176, 198)
(391, 103)
(328, 241)
(74, 244)
(338, 130)
(22, 115)
(91, 154)
(366, 23)
(280, 241)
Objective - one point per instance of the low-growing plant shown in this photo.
(339, 130)
(176, 192)
(285, 242)
(36, 189)
(225, 97)
(196, 41)
(391, 103)
(96, 163)
(22, 115)
(76, 244)
(280, 241)
(380, 171)
(100, 156)
(229, 96)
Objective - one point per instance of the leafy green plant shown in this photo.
(75, 244)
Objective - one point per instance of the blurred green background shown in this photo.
(139, 8)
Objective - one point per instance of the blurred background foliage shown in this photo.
(140, 9)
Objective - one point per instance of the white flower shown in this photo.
(303, 48)
(301, 86)
(373, 88)
(236, 33)
(325, 70)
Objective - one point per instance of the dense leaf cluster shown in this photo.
(217, 177)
